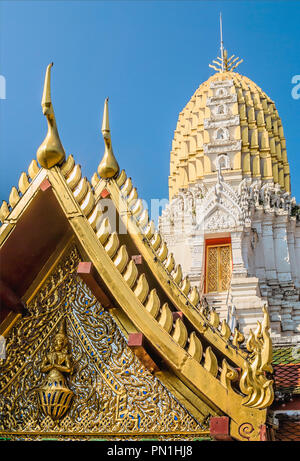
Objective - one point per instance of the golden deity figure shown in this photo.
(55, 396)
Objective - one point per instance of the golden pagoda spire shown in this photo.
(108, 167)
(224, 64)
(51, 151)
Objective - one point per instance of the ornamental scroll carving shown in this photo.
(255, 383)
(233, 206)
(68, 337)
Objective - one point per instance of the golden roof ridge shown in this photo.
(82, 190)
(149, 298)
(17, 193)
(260, 396)
(173, 272)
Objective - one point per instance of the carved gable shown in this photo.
(113, 394)
(219, 209)
(219, 219)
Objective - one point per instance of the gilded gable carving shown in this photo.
(110, 391)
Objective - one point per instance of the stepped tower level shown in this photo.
(231, 221)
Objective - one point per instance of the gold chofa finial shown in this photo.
(51, 151)
(224, 64)
(108, 167)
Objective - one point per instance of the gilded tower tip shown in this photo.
(51, 151)
(105, 121)
(108, 167)
(46, 98)
(223, 63)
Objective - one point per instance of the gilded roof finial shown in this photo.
(51, 151)
(108, 167)
(224, 64)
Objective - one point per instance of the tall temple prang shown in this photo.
(231, 221)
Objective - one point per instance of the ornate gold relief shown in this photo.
(55, 396)
(254, 382)
(111, 393)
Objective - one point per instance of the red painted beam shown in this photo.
(89, 275)
(137, 259)
(219, 427)
(263, 433)
(136, 342)
(177, 315)
(45, 185)
(105, 193)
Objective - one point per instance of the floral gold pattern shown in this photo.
(112, 393)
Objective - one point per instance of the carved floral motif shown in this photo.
(112, 391)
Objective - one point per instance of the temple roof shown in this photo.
(130, 270)
(151, 297)
(233, 102)
(286, 364)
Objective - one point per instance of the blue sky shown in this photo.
(148, 57)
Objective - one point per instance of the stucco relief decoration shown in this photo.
(197, 205)
(219, 220)
(221, 134)
(220, 207)
(221, 109)
(269, 196)
(223, 162)
(221, 92)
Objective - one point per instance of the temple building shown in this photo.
(114, 330)
(231, 221)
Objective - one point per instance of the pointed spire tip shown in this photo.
(51, 151)
(108, 167)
